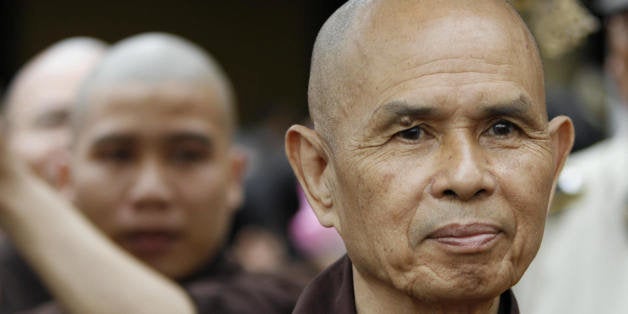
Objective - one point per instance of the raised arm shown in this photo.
(83, 270)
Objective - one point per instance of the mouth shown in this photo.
(145, 244)
(466, 238)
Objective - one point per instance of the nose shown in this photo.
(463, 171)
(150, 189)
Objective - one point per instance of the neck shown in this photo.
(373, 296)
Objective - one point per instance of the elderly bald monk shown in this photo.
(154, 171)
(431, 154)
(38, 101)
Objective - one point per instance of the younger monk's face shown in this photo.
(441, 171)
(153, 169)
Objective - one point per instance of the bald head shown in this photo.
(67, 62)
(39, 99)
(428, 113)
(365, 41)
(154, 59)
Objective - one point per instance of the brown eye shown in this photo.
(411, 134)
(502, 128)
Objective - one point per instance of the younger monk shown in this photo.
(154, 169)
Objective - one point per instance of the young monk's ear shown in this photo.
(309, 158)
(235, 192)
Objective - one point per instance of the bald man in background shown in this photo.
(39, 99)
(431, 155)
(154, 172)
(35, 123)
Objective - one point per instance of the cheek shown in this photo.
(525, 184)
(202, 187)
(203, 194)
(379, 204)
(98, 194)
(526, 180)
(33, 148)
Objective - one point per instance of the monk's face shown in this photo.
(39, 114)
(153, 169)
(442, 169)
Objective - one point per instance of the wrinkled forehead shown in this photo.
(428, 36)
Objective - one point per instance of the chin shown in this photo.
(462, 284)
(459, 292)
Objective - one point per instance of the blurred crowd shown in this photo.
(84, 105)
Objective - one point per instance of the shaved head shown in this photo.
(71, 58)
(158, 58)
(39, 100)
(365, 34)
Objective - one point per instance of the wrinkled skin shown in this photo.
(447, 129)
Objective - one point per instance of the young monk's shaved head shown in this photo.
(39, 100)
(153, 59)
(367, 35)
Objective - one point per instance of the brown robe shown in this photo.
(332, 292)
(221, 287)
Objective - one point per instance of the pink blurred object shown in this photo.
(316, 242)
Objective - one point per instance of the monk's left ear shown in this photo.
(562, 136)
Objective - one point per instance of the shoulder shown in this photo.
(594, 173)
(330, 292)
(20, 287)
(242, 292)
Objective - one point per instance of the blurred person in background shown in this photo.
(582, 266)
(259, 236)
(153, 169)
(573, 78)
(275, 230)
(39, 100)
(319, 245)
(36, 127)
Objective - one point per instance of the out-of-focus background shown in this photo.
(264, 47)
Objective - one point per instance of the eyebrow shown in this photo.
(519, 108)
(401, 113)
(113, 139)
(58, 115)
(190, 136)
(127, 139)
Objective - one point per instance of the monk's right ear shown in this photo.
(309, 158)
